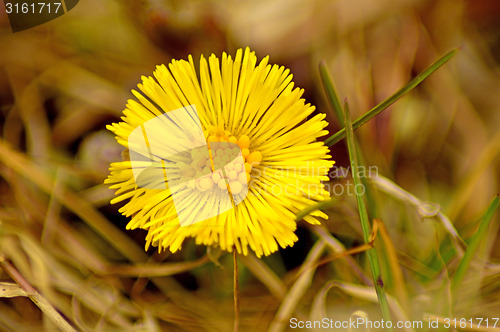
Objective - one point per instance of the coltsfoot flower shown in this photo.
(259, 145)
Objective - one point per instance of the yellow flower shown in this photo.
(258, 112)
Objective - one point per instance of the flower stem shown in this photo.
(236, 292)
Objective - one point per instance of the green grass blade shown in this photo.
(363, 215)
(331, 93)
(474, 244)
(339, 135)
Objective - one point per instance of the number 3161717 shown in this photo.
(32, 8)
(470, 323)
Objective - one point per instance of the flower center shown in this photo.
(225, 161)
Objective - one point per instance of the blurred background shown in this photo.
(63, 81)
